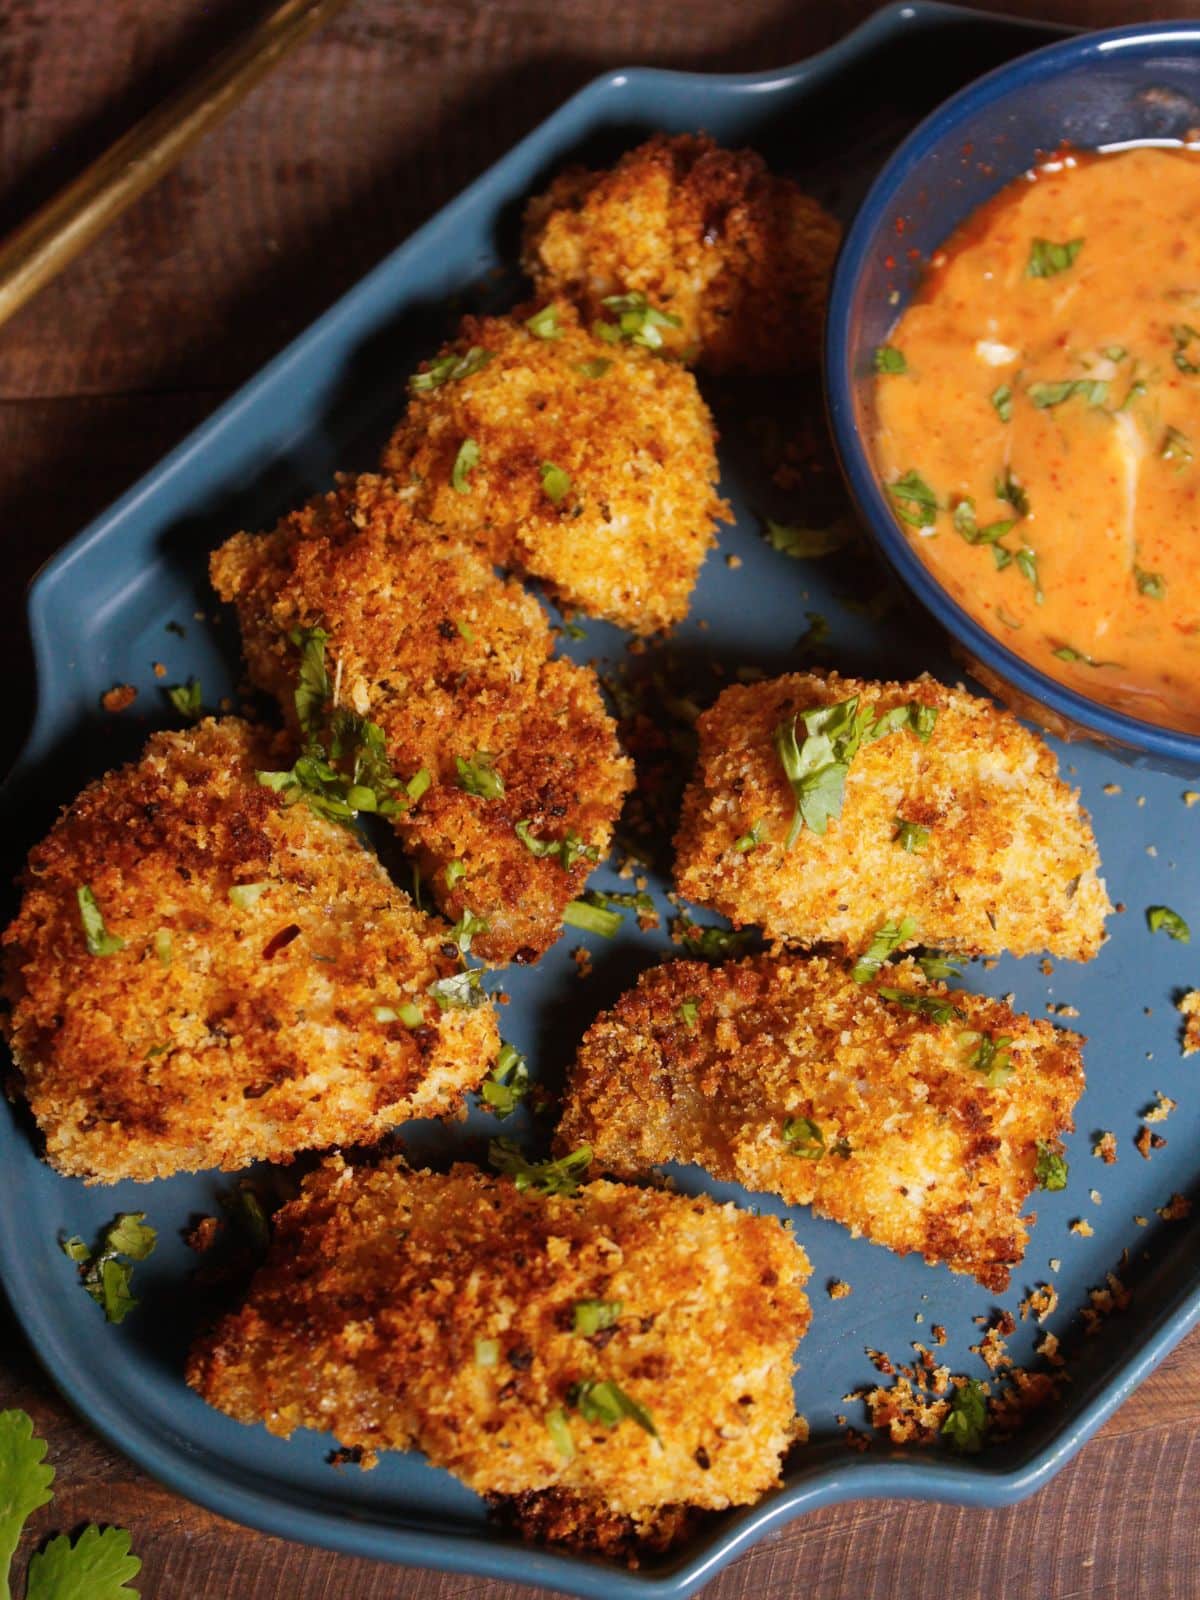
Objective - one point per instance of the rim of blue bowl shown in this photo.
(1162, 744)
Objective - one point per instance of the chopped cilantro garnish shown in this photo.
(560, 1432)
(965, 524)
(313, 688)
(688, 1012)
(465, 929)
(507, 1084)
(418, 784)
(569, 850)
(967, 1421)
(600, 1400)
(244, 895)
(412, 1016)
(595, 368)
(804, 1138)
(913, 500)
(1050, 1169)
(478, 776)
(638, 322)
(103, 1272)
(1012, 493)
(543, 324)
(1176, 446)
(465, 463)
(1046, 258)
(746, 842)
(454, 871)
(1027, 566)
(990, 1055)
(592, 918)
(449, 369)
(935, 1007)
(1068, 652)
(487, 1352)
(462, 991)
(938, 966)
(709, 941)
(1185, 336)
(1001, 398)
(164, 947)
(1046, 395)
(1114, 352)
(911, 836)
(186, 698)
(889, 359)
(593, 1316)
(1162, 917)
(556, 482)
(817, 768)
(806, 544)
(548, 1177)
(885, 943)
(99, 941)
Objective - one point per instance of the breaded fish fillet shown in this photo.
(909, 1113)
(202, 976)
(453, 664)
(740, 257)
(627, 1348)
(956, 820)
(592, 465)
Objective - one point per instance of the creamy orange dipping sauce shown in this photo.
(1049, 379)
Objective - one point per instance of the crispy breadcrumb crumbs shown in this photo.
(1009, 861)
(837, 1290)
(1147, 1140)
(1105, 1147)
(1176, 1209)
(1161, 1109)
(799, 1081)
(739, 256)
(621, 526)
(1082, 1227)
(1189, 1005)
(119, 698)
(238, 1018)
(450, 661)
(400, 1308)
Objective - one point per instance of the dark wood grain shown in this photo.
(365, 132)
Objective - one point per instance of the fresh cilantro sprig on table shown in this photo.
(98, 1566)
(107, 1271)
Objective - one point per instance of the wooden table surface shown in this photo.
(358, 137)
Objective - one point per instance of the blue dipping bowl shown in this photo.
(1129, 85)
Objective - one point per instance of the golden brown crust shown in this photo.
(627, 538)
(741, 256)
(222, 1033)
(1009, 862)
(939, 1159)
(380, 1282)
(450, 661)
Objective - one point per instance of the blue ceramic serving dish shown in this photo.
(132, 590)
(1099, 90)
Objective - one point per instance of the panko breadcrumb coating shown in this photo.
(401, 1308)
(788, 1076)
(451, 662)
(251, 1009)
(593, 470)
(1003, 856)
(741, 257)
(1189, 1006)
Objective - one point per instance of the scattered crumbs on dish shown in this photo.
(1048, 1349)
(202, 1235)
(919, 1316)
(1141, 800)
(1151, 849)
(119, 697)
(990, 964)
(1161, 1109)
(1041, 1303)
(1055, 1263)
(1045, 966)
(1112, 788)
(1094, 1196)
(199, 616)
(1082, 1227)
(841, 1419)
(1189, 1005)
(1190, 797)
(1114, 1297)
(880, 1361)
(1176, 1209)
(177, 628)
(1105, 1147)
(1147, 1141)
(1009, 999)
(1120, 908)
(837, 1290)
(991, 1349)
(856, 1440)
(582, 957)
(350, 1455)
(799, 1429)
(938, 1333)
(160, 670)
(1061, 1009)
(1141, 1221)
(733, 562)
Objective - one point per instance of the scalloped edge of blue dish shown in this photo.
(166, 1455)
(1109, 728)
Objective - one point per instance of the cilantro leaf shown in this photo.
(967, 1420)
(449, 369)
(1051, 1168)
(885, 943)
(889, 359)
(466, 928)
(1185, 336)
(1001, 398)
(313, 688)
(1170, 922)
(638, 322)
(1046, 395)
(990, 1055)
(543, 324)
(1046, 258)
(569, 850)
(593, 1316)
(462, 991)
(478, 776)
(507, 1084)
(804, 1138)
(465, 463)
(1013, 493)
(98, 1566)
(547, 1177)
(935, 1007)
(750, 840)
(707, 940)
(25, 1480)
(600, 1400)
(591, 918)
(1176, 446)
(912, 837)
(937, 966)
(688, 1012)
(556, 482)
(807, 544)
(99, 941)
(1151, 584)
(105, 1276)
(913, 500)
(186, 698)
